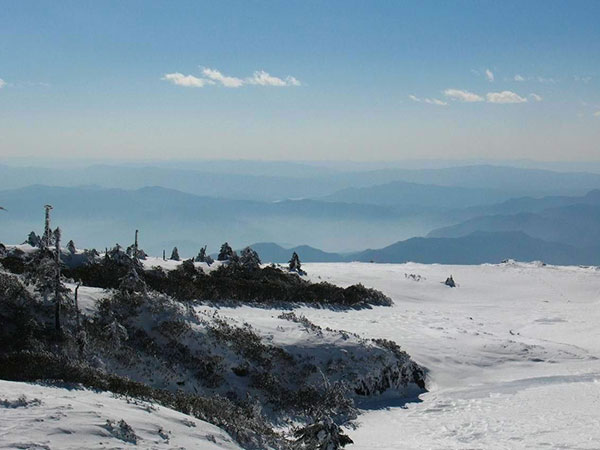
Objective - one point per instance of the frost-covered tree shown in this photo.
(201, 255)
(175, 254)
(249, 259)
(89, 256)
(57, 284)
(34, 240)
(71, 247)
(132, 282)
(116, 254)
(295, 265)
(226, 252)
(47, 237)
(42, 273)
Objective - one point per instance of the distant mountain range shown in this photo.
(95, 216)
(404, 194)
(475, 248)
(576, 222)
(462, 214)
(278, 181)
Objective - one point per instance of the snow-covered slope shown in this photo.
(513, 357)
(512, 352)
(43, 417)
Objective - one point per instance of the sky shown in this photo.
(300, 80)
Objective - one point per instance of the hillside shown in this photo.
(151, 331)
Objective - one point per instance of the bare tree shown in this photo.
(47, 237)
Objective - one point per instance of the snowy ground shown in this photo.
(512, 352)
(41, 417)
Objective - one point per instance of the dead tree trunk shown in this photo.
(57, 310)
(77, 305)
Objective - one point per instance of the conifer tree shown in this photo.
(71, 247)
(132, 282)
(175, 254)
(34, 240)
(226, 252)
(47, 238)
(249, 259)
(201, 255)
(294, 264)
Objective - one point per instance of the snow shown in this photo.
(513, 357)
(512, 352)
(52, 417)
(87, 297)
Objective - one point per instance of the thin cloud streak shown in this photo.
(462, 96)
(216, 77)
(430, 101)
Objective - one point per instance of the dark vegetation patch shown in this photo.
(264, 286)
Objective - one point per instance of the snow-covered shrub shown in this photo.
(121, 430)
(21, 402)
(322, 435)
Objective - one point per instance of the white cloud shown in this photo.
(505, 97)
(535, 97)
(518, 78)
(2, 83)
(180, 79)
(489, 75)
(435, 101)
(414, 98)
(262, 78)
(463, 96)
(597, 114)
(215, 75)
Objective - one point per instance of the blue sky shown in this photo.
(371, 80)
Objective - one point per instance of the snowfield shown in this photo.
(513, 357)
(512, 352)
